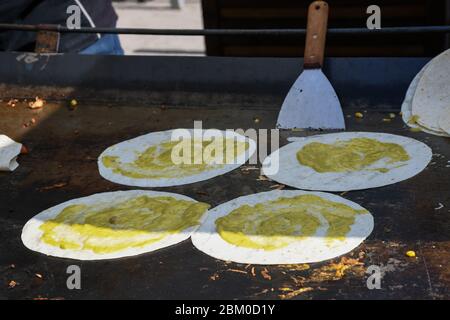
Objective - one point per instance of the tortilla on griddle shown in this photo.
(114, 225)
(377, 159)
(432, 97)
(406, 108)
(283, 227)
(9, 151)
(121, 163)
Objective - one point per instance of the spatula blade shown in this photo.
(311, 103)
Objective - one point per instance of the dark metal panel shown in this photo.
(161, 79)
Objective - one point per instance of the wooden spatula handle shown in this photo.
(316, 33)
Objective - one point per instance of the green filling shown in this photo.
(275, 224)
(157, 161)
(353, 155)
(129, 224)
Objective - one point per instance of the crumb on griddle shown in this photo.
(38, 103)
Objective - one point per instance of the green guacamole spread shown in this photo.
(129, 224)
(352, 155)
(275, 224)
(157, 161)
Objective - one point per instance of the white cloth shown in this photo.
(9, 150)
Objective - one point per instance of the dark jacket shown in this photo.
(99, 12)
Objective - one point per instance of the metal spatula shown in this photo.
(312, 102)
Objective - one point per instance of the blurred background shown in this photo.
(161, 14)
(193, 14)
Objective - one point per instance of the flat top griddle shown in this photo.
(164, 93)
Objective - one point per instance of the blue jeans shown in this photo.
(107, 44)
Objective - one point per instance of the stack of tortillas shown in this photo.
(427, 102)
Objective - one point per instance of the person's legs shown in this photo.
(107, 44)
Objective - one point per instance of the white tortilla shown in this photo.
(294, 174)
(31, 234)
(9, 151)
(126, 151)
(311, 249)
(407, 106)
(432, 97)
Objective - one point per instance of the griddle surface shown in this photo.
(64, 146)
